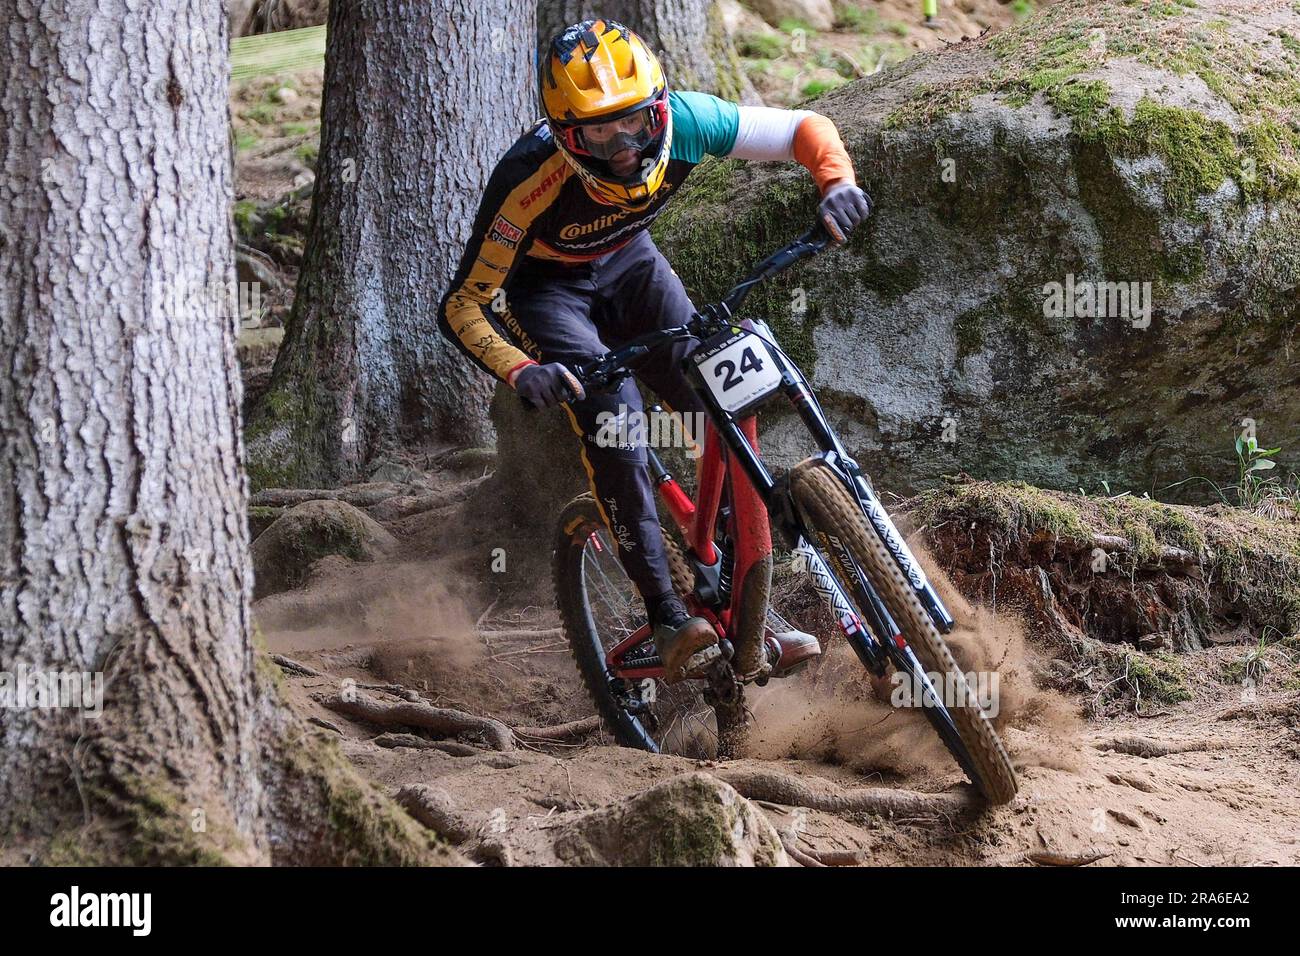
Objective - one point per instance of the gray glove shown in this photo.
(545, 385)
(842, 209)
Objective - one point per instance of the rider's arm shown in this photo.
(709, 125)
(473, 311)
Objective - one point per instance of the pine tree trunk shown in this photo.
(123, 545)
(420, 102)
(688, 36)
(123, 536)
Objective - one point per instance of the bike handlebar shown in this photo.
(611, 368)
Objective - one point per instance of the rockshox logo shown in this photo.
(505, 232)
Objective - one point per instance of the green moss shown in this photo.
(348, 821)
(1252, 562)
(699, 236)
(692, 831)
(275, 437)
(1157, 677)
(1047, 55)
(149, 824)
(248, 220)
(1013, 509)
(933, 100)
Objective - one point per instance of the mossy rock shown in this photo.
(284, 553)
(691, 820)
(1096, 142)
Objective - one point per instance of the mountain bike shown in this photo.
(824, 510)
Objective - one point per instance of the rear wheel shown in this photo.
(831, 512)
(600, 607)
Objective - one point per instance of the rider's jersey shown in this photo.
(536, 206)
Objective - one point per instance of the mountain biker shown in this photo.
(560, 267)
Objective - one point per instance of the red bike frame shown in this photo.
(750, 532)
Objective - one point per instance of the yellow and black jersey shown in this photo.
(535, 205)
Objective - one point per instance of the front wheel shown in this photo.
(835, 520)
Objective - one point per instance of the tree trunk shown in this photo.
(688, 36)
(420, 102)
(123, 542)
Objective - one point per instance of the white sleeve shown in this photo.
(766, 133)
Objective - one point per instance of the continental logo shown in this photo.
(575, 229)
(542, 187)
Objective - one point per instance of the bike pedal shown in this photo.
(699, 662)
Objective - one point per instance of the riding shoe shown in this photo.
(790, 651)
(685, 644)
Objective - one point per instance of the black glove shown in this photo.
(545, 385)
(843, 208)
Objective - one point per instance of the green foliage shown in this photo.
(768, 46)
(1252, 462)
(818, 87)
(856, 19)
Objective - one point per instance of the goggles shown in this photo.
(606, 138)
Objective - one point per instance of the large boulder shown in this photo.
(1095, 142)
(284, 553)
(691, 820)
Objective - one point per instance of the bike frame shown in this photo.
(732, 465)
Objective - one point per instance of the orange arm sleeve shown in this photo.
(818, 147)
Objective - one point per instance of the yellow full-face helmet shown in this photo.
(606, 102)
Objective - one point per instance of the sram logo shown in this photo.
(505, 232)
(541, 189)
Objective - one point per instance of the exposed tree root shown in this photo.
(434, 808)
(1146, 747)
(574, 728)
(395, 741)
(288, 497)
(790, 791)
(800, 856)
(1262, 710)
(295, 667)
(441, 721)
(543, 634)
(1051, 858)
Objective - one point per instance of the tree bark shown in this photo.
(419, 104)
(123, 546)
(123, 542)
(688, 36)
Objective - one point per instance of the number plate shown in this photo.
(738, 370)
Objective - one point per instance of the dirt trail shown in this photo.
(1211, 781)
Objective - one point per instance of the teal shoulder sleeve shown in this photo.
(703, 125)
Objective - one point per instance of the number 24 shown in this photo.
(749, 362)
